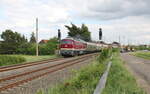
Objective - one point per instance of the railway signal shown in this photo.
(59, 39)
(100, 33)
(59, 34)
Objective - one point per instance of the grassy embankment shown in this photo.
(120, 81)
(145, 55)
(31, 58)
(85, 80)
(17, 59)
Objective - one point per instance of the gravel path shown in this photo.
(140, 68)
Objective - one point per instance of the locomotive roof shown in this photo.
(75, 39)
(88, 43)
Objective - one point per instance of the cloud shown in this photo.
(24, 12)
(20, 15)
(111, 9)
(126, 18)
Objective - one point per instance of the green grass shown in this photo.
(120, 81)
(12, 59)
(145, 55)
(31, 58)
(84, 81)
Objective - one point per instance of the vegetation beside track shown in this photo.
(18, 59)
(86, 79)
(145, 55)
(9, 60)
(120, 81)
(32, 58)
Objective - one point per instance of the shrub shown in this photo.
(84, 82)
(9, 60)
(104, 55)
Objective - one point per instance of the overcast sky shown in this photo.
(129, 19)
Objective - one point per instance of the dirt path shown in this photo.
(140, 68)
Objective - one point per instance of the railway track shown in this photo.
(12, 81)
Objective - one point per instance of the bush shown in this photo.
(27, 48)
(30, 48)
(104, 55)
(48, 48)
(9, 60)
(84, 82)
(44, 49)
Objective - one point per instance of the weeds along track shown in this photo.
(17, 66)
(12, 81)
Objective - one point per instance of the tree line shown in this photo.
(15, 43)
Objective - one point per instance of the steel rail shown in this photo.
(62, 66)
(37, 70)
(17, 66)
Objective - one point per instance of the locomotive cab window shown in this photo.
(66, 42)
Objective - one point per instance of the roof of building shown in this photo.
(116, 43)
(43, 41)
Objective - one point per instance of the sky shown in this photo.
(127, 20)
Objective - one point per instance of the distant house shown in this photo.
(102, 43)
(115, 45)
(43, 41)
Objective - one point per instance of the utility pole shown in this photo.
(37, 49)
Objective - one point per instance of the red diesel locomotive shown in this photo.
(72, 47)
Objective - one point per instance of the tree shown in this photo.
(32, 39)
(11, 41)
(49, 48)
(86, 35)
(0, 46)
(79, 32)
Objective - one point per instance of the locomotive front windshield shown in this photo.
(66, 42)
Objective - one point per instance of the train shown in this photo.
(73, 47)
(127, 49)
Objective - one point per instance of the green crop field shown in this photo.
(145, 55)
